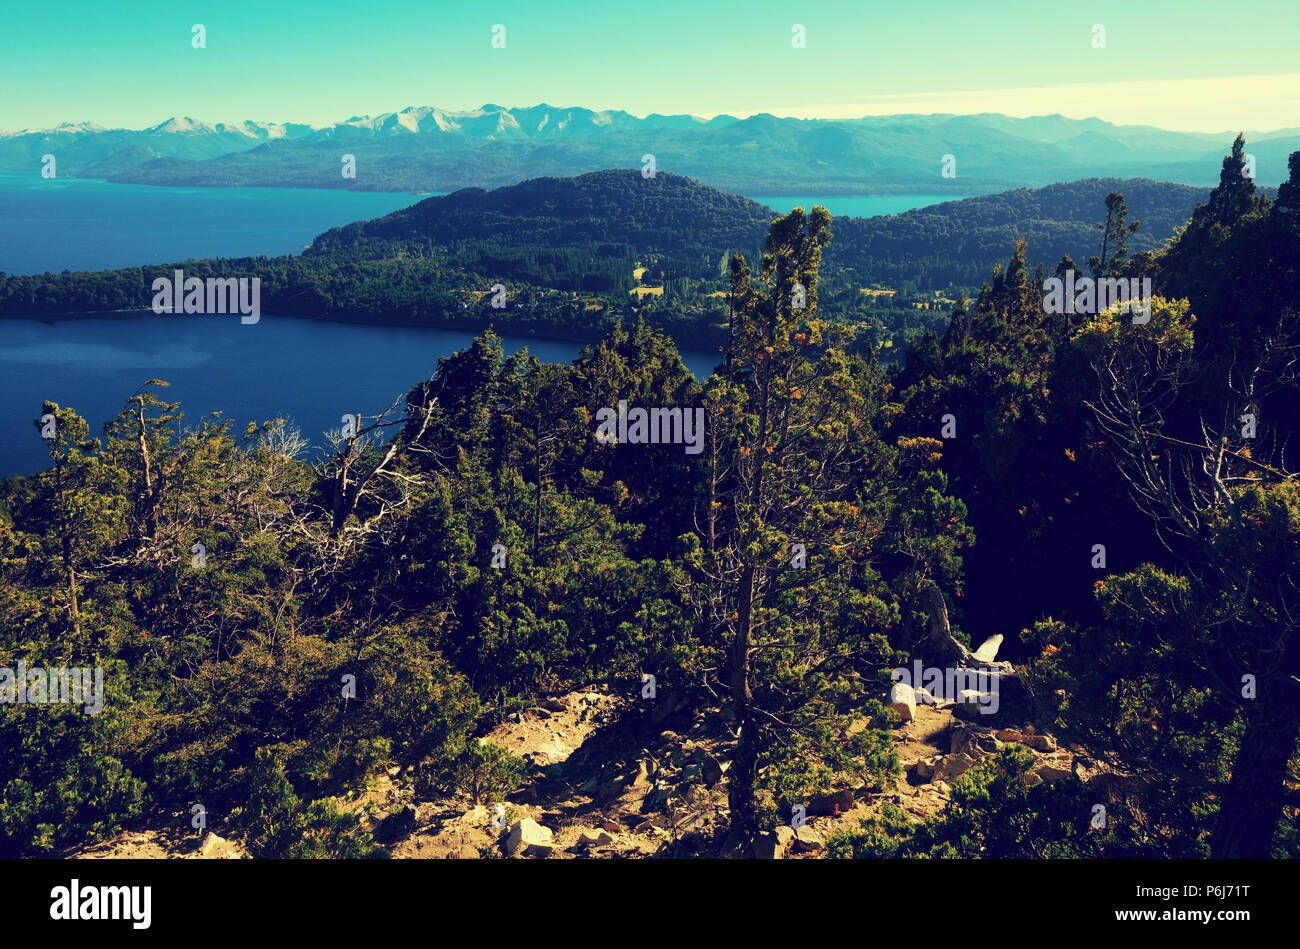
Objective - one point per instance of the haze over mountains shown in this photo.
(431, 149)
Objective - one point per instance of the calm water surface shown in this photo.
(307, 372)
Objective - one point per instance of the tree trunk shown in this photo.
(74, 611)
(1252, 804)
(150, 501)
(740, 783)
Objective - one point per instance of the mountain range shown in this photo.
(430, 149)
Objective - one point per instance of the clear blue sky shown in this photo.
(1205, 65)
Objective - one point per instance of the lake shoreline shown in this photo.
(596, 334)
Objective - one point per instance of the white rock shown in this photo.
(807, 840)
(951, 767)
(902, 699)
(530, 838)
(988, 651)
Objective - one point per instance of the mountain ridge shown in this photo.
(426, 148)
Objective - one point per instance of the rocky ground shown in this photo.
(605, 780)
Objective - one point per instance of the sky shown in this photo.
(1190, 65)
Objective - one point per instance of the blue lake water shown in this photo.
(79, 224)
(858, 205)
(82, 224)
(311, 373)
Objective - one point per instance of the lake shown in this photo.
(80, 224)
(858, 205)
(309, 372)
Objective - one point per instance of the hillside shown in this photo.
(958, 242)
(613, 213)
(983, 602)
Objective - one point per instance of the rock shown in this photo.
(903, 700)
(425, 813)
(951, 767)
(711, 769)
(1044, 743)
(807, 840)
(1050, 772)
(695, 794)
(658, 822)
(656, 799)
(859, 725)
(529, 838)
(594, 838)
(217, 848)
(552, 704)
(988, 651)
(767, 846)
(972, 742)
(539, 712)
(784, 836)
(924, 769)
(398, 824)
(972, 704)
(836, 802)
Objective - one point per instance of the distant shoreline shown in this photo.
(596, 334)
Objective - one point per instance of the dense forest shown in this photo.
(476, 547)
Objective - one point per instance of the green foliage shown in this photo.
(276, 823)
(994, 813)
(486, 772)
(349, 617)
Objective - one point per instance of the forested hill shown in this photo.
(620, 214)
(957, 242)
(612, 212)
